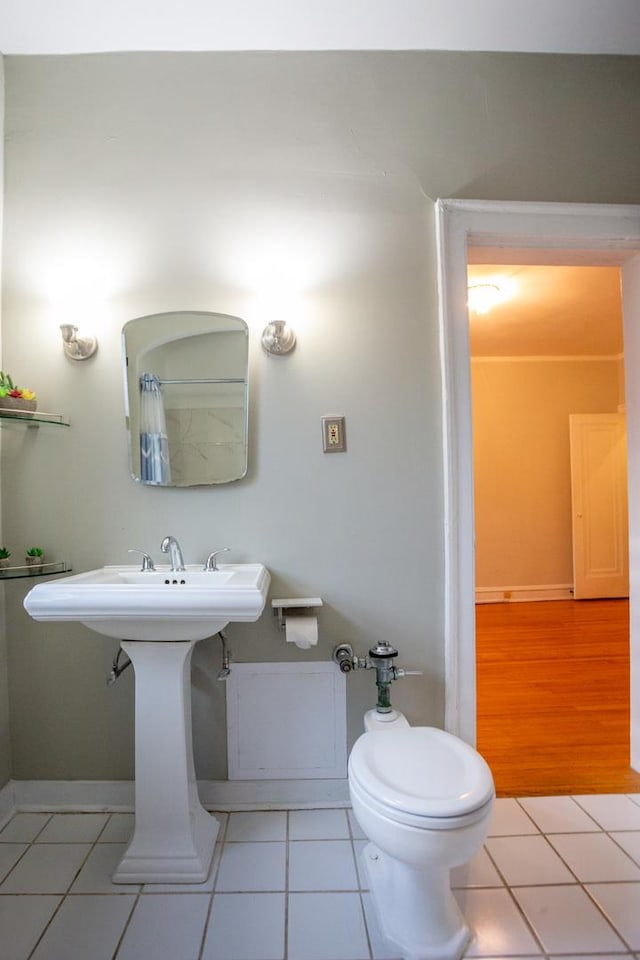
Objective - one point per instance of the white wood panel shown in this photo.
(286, 720)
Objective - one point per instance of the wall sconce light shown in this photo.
(483, 297)
(278, 338)
(75, 347)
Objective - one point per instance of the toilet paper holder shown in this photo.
(294, 607)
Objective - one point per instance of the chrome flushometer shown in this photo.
(382, 657)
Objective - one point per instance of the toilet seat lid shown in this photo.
(421, 771)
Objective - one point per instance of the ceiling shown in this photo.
(549, 311)
(544, 26)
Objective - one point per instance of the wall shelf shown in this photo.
(46, 570)
(8, 417)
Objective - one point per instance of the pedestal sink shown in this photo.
(159, 616)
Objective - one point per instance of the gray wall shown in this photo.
(140, 183)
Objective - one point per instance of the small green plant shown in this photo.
(4, 553)
(9, 389)
(35, 552)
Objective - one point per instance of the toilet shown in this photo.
(423, 798)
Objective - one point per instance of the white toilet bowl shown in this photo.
(423, 798)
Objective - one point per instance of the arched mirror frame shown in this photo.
(186, 398)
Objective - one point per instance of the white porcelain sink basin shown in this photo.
(130, 604)
(174, 836)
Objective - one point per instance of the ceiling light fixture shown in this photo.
(482, 297)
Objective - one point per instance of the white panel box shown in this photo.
(286, 721)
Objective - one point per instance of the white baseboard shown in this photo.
(62, 795)
(553, 591)
(118, 796)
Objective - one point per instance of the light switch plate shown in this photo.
(334, 438)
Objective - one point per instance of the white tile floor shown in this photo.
(559, 877)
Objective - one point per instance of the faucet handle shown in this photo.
(147, 562)
(211, 563)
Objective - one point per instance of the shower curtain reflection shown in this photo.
(154, 444)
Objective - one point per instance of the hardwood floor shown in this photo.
(553, 696)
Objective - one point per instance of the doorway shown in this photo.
(561, 234)
(552, 676)
(549, 349)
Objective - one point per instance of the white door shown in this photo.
(599, 505)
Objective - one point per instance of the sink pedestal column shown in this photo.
(174, 836)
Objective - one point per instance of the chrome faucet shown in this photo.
(147, 562)
(211, 562)
(171, 546)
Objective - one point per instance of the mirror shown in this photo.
(186, 398)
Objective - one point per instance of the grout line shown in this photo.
(207, 922)
(62, 896)
(104, 827)
(601, 911)
(45, 824)
(521, 912)
(286, 884)
(363, 915)
(526, 813)
(625, 951)
(620, 847)
(576, 798)
(578, 883)
(359, 879)
(27, 847)
(47, 925)
(223, 820)
(127, 923)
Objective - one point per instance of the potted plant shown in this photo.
(4, 557)
(34, 559)
(16, 401)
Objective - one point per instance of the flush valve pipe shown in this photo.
(380, 658)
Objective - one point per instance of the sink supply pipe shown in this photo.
(380, 659)
(117, 668)
(226, 657)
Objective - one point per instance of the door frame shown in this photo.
(553, 233)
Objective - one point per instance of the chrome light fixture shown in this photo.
(75, 347)
(278, 338)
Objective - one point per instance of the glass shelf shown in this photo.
(31, 419)
(43, 570)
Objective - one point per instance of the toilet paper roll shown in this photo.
(303, 631)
